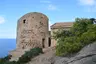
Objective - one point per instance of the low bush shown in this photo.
(24, 58)
(88, 37)
(69, 46)
(29, 54)
(11, 62)
(81, 34)
(5, 59)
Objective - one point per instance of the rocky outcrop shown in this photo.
(87, 55)
(46, 58)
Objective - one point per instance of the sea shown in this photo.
(6, 45)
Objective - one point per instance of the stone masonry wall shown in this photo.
(32, 31)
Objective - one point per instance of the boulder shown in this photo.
(87, 55)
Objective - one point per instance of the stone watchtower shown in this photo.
(32, 31)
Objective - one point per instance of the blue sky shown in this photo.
(56, 10)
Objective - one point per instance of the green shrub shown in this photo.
(24, 58)
(70, 45)
(81, 34)
(88, 37)
(61, 33)
(80, 26)
(5, 59)
(11, 62)
(8, 57)
(29, 54)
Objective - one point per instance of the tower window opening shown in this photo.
(24, 21)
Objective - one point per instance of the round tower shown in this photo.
(32, 31)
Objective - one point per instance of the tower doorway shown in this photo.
(49, 43)
(43, 43)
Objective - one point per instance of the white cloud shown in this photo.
(88, 5)
(45, 1)
(87, 2)
(48, 5)
(52, 7)
(2, 19)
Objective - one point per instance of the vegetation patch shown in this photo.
(71, 41)
(24, 58)
(5, 59)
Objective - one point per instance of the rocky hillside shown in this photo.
(46, 58)
(87, 55)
